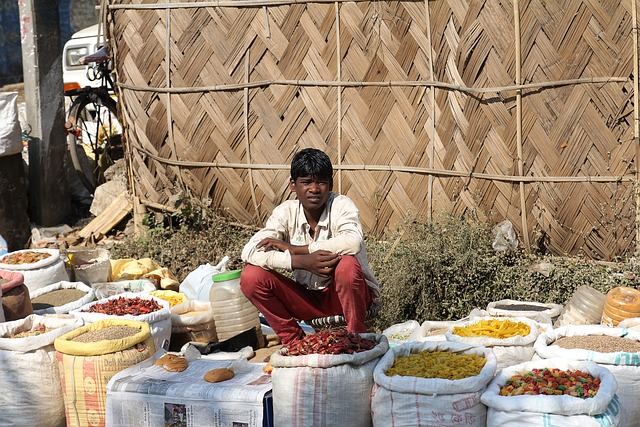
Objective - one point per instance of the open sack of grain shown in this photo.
(511, 339)
(525, 395)
(87, 359)
(616, 349)
(40, 267)
(61, 298)
(432, 383)
(311, 389)
(133, 306)
(191, 321)
(546, 313)
(30, 390)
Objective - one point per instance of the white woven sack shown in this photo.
(413, 401)
(66, 308)
(508, 351)
(625, 367)
(602, 410)
(427, 328)
(548, 315)
(399, 333)
(30, 390)
(177, 311)
(325, 389)
(159, 321)
(10, 131)
(91, 266)
(41, 277)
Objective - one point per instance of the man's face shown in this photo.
(312, 192)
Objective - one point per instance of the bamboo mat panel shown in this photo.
(229, 147)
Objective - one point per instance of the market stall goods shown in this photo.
(528, 394)
(94, 361)
(510, 338)
(330, 342)
(61, 298)
(24, 257)
(15, 296)
(40, 267)
(540, 312)
(192, 321)
(339, 385)
(218, 375)
(616, 349)
(30, 388)
(432, 383)
(132, 306)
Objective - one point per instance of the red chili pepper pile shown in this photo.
(331, 342)
(122, 306)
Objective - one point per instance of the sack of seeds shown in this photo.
(61, 298)
(133, 306)
(617, 349)
(30, 390)
(87, 359)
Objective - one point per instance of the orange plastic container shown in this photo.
(622, 303)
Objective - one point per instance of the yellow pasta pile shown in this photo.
(172, 297)
(493, 328)
(437, 364)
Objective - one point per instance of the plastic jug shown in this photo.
(584, 308)
(233, 313)
(622, 303)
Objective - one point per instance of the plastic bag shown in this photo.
(197, 284)
(504, 237)
(10, 131)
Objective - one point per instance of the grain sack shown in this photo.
(40, 273)
(602, 410)
(510, 350)
(30, 391)
(16, 303)
(434, 330)
(191, 321)
(51, 299)
(400, 332)
(609, 348)
(90, 265)
(325, 389)
(410, 400)
(546, 313)
(108, 289)
(159, 321)
(86, 367)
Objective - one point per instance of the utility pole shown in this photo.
(49, 193)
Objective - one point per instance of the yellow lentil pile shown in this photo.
(437, 364)
(493, 328)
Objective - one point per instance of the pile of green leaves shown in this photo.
(443, 270)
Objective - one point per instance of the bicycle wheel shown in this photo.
(89, 131)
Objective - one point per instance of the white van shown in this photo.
(81, 43)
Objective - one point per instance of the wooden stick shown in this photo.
(408, 169)
(313, 83)
(523, 200)
(432, 136)
(339, 77)
(246, 135)
(223, 3)
(636, 114)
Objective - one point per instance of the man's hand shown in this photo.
(322, 263)
(270, 243)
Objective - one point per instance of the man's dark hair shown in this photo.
(313, 163)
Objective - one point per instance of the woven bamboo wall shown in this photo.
(458, 106)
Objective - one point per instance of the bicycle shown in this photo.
(92, 121)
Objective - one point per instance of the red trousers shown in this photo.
(283, 302)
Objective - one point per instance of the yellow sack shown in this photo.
(163, 279)
(65, 344)
(131, 269)
(86, 368)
